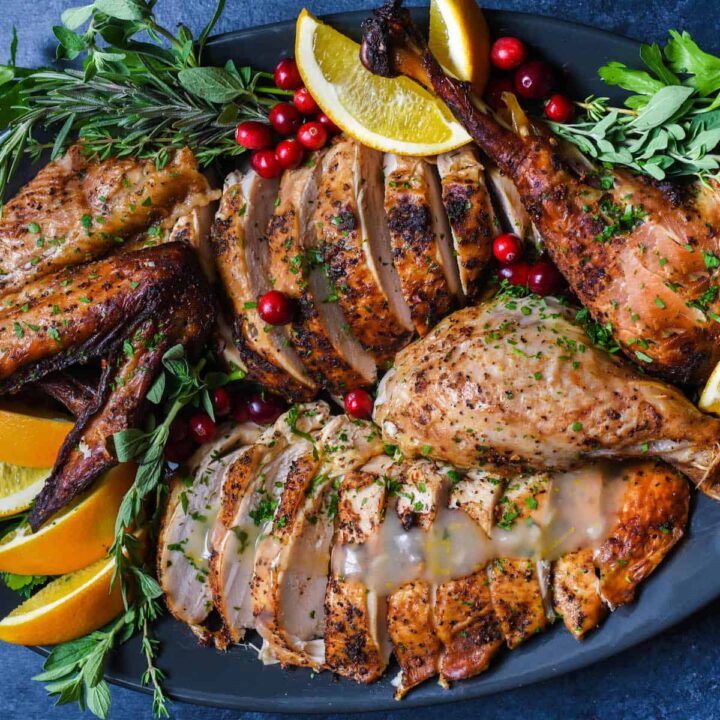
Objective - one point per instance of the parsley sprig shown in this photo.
(670, 125)
(141, 91)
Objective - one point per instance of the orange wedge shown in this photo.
(460, 40)
(29, 439)
(76, 537)
(69, 607)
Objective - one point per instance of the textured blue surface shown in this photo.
(671, 676)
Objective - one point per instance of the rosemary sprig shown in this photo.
(132, 97)
(670, 125)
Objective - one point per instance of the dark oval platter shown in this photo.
(683, 584)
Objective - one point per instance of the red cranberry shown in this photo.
(202, 428)
(287, 75)
(534, 80)
(178, 431)
(544, 278)
(305, 102)
(507, 248)
(264, 163)
(275, 308)
(221, 402)
(496, 88)
(253, 135)
(312, 135)
(178, 452)
(285, 118)
(265, 409)
(560, 108)
(359, 404)
(240, 411)
(516, 274)
(328, 124)
(289, 153)
(507, 53)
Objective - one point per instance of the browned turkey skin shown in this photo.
(126, 309)
(646, 273)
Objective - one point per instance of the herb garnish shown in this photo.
(670, 125)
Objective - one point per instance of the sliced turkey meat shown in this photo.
(293, 557)
(355, 247)
(469, 208)
(188, 518)
(512, 209)
(320, 334)
(250, 496)
(356, 642)
(421, 240)
(241, 248)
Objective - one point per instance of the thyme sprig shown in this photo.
(142, 91)
(670, 125)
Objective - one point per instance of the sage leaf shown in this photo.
(662, 106)
(210, 83)
(7, 73)
(155, 394)
(98, 700)
(71, 44)
(122, 9)
(73, 18)
(130, 444)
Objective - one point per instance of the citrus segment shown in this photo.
(390, 114)
(69, 607)
(77, 536)
(710, 397)
(460, 40)
(18, 487)
(29, 439)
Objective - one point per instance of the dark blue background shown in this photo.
(672, 676)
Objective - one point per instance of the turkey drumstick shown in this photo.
(641, 256)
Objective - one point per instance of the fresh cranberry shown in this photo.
(285, 118)
(221, 402)
(178, 452)
(264, 163)
(202, 428)
(516, 274)
(312, 135)
(495, 90)
(544, 278)
(534, 80)
(305, 102)
(253, 135)
(560, 108)
(359, 404)
(275, 308)
(240, 411)
(328, 124)
(289, 153)
(287, 75)
(507, 248)
(178, 431)
(265, 409)
(507, 53)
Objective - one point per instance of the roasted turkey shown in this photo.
(338, 550)
(640, 255)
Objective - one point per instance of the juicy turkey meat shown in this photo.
(640, 255)
(517, 382)
(512, 210)
(241, 249)
(355, 247)
(319, 334)
(421, 240)
(471, 215)
(77, 209)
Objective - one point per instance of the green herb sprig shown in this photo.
(74, 671)
(142, 91)
(670, 125)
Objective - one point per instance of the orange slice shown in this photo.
(76, 537)
(31, 440)
(69, 607)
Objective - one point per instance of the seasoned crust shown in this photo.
(652, 519)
